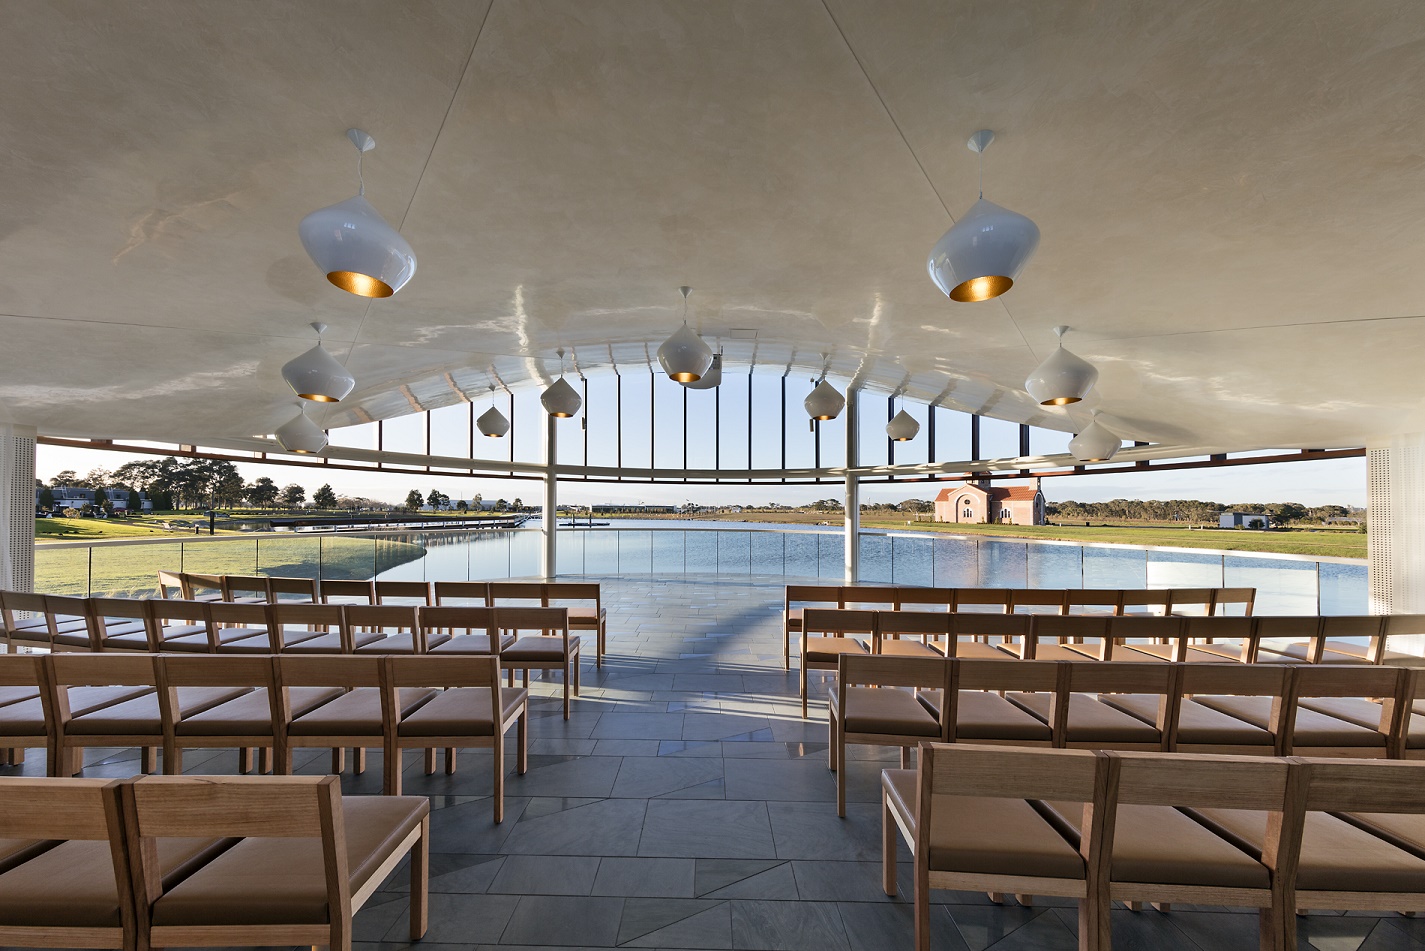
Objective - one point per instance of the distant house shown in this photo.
(76, 497)
(1244, 520)
(609, 508)
(977, 502)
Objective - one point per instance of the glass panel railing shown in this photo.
(1283, 587)
(957, 562)
(64, 570)
(1114, 568)
(345, 558)
(768, 553)
(1055, 566)
(875, 552)
(669, 552)
(801, 554)
(1345, 589)
(831, 556)
(913, 561)
(600, 553)
(130, 571)
(734, 552)
(289, 556)
(523, 553)
(1184, 569)
(700, 552)
(220, 557)
(1003, 564)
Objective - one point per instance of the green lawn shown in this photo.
(95, 529)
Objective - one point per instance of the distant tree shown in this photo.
(519, 505)
(293, 496)
(228, 490)
(462, 506)
(135, 501)
(476, 502)
(324, 498)
(436, 499)
(414, 500)
(97, 478)
(501, 505)
(47, 498)
(66, 477)
(262, 493)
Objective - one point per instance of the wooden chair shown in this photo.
(1230, 638)
(1399, 625)
(1273, 636)
(386, 629)
(963, 813)
(938, 600)
(1100, 602)
(244, 628)
(471, 710)
(65, 880)
(306, 859)
(983, 600)
(347, 592)
(120, 624)
(822, 652)
(462, 593)
(245, 589)
(307, 628)
(1199, 728)
(198, 587)
(551, 648)
(867, 707)
(978, 711)
(1053, 637)
(62, 613)
(582, 617)
(179, 626)
(1326, 714)
(1192, 602)
(1081, 719)
(1144, 638)
(1038, 601)
(817, 594)
(22, 713)
(1367, 644)
(244, 723)
(467, 630)
(1232, 602)
(978, 636)
(870, 597)
(1152, 601)
(403, 592)
(33, 631)
(170, 584)
(892, 628)
(292, 590)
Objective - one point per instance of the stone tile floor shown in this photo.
(686, 804)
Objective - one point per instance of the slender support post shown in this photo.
(549, 551)
(853, 485)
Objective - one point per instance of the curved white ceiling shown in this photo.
(1232, 201)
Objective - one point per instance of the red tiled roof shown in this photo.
(1012, 493)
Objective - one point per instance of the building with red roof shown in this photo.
(978, 502)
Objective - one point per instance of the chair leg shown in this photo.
(888, 848)
(905, 757)
(1094, 934)
(429, 760)
(420, 882)
(922, 903)
(566, 690)
(265, 757)
(338, 760)
(804, 690)
(358, 760)
(575, 662)
(599, 648)
(282, 761)
(245, 760)
(499, 778)
(172, 760)
(150, 760)
(450, 761)
(831, 763)
(786, 650)
(522, 738)
(391, 771)
(841, 773)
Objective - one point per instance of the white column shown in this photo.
(17, 507)
(1395, 524)
(549, 551)
(853, 486)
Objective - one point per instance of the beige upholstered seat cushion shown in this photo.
(826, 649)
(9, 695)
(471, 644)
(140, 716)
(972, 650)
(461, 711)
(1303, 651)
(1165, 652)
(404, 643)
(1197, 725)
(794, 618)
(357, 713)
(251, 714)
(15, 851)
(988, 716)
(888, 710)
(536, 649)
(1089, 720)
(1059, 651)
(73, 883)
(281, 881)
(898, 647)
(1313, 730)
(1335, 855)
(1406, 831)
(1160, 845)
(298, 641)
(989, 836)
(587, 616)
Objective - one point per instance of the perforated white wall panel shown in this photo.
(20, 513)
(1378, 528)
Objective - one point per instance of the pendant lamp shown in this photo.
(353, 245)
(710, 379)
(560, 399)
(1062, 378)
(684, 356)
(1095, 444)
(982, 255)
(316, 375)
(300, 434)
(492, 422)
(824, 402)
(903, 427)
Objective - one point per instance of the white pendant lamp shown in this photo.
(300, 434)
(903, 427)
(1095, 444)
(982, 255)
(1062, 378)
(684, 356)
(560, 399)
(492, 422)
(824, 402)
(353, 245)
(316, 375)
(710, 379)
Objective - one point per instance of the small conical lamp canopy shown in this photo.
(561, 399)
(301, 435)
(903, 427)
(1095, 444)
(1062, 378)
(317, 375)
(824, 402)
(710, 379)
(492, 423)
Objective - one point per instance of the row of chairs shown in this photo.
(586, 613)
(523, 638)
(1268, 709)
(1111, 602)
(1277, 834)
(828, 633)
(68, 703)
(164, 861)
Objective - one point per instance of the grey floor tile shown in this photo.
(891, 927)
(546, 875)
(706, 829)
(568, 776)
(812, 830)
(984, 926)
(846, 881)
(639, 726)
(609, 827)
(775, 884)
(463, 919)
(645, 777)
(634, 877)
(788, 926)
(717, 726)
(675, 923)
(563, 921)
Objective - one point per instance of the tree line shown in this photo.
(173, 484)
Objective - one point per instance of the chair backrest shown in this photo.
(213, 670)
(573, 591)
(244, 586)
(1141, 627)
(1365, 627)
(187, 612)
(1306, 629)
(170, 581)
(305, 588)
(1124, 677)
(452, 617)
(196, 585)
(1027, 676)
(915, 622)
(1039, 601)
(1218, 627)
(450, 671)
(476, 591)
(383, 617)
(839, 621)
(517, 591)
(1002, 626)
(308, 616)
(1093, 598)
(936, 597)
(1054, 628)
(1201, 780)
(128, 609)
(1235, 680)
(1144, 600)
(79, 810)
(359, 592)
(867, 596)
(815, 593)
(59, 607)
(1348, 680)
(1340, 785)
(21, 670)
(1192, 602)
(417, 591)
(328, 670)
(532, 619)
(242, 615)
(12, 601)
(978, 599)
(891, 671)
(1235, 601)
(101, 670)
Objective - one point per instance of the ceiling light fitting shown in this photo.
(353, 245)
(317, 375)
(710, 379)
(1062, 378)
(824, 402)
(300, 434)
(684, 356)
(903, 427)
(1096, 443)
(560, 399)
(983, 254)
(492, 422)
